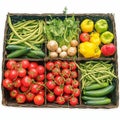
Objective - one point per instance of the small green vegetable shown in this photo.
(14, 47)
(86, 98)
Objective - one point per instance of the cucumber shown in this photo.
(98, 102)
(96, 86)
(18, 53)
(92, 98)
(14, 47)
(100, 92)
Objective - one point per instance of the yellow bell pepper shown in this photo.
(89, 50)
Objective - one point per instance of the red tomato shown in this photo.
(72, 66)
(76, 92)
(33, 73)
(20, 98)
(13, 74)
(58, 64)
(56, 71)
(73, 101)
(13, 93)
(42, 92)
(17, 83)
(65, 65)
(39, 100)
(26, 81)
(7, 83)
(40, 69)
(84, 37)
(60, 100)
(25, 63)
(50, 76)
(35, 88)
(49, 65)
(58, 90)
(68, 81)
(7, 73)
(67, 97)
(50, 84)
(30, 96)
(59, 80)
(68, 89)
(33, 65)
(50, 97)
(74, 74)
(75, 83)
(24, 89)
(66, 73)
(11, 64)
(40, 78)
(21, 72)
(41, 85)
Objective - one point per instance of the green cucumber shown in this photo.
(92, 98)
(98, 102)
(96, 86)
(14, 47)
(18, 53)
(100, 92)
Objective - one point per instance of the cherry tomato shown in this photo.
(42, 92)
(73, 101)
(30, 96)
(21, 72)
(84, 37)
(60, 100)
(76, 92)
(40, 69)
(59, 80)
(68, 81)
(26, 81)
(13, 93)
(50, 84)
(50, 76)
(33, 73)
(65, 65)
(23, 88)
(58, 64)
(39, 100)
(66, 73)
(49, 65)
(72, 66)
(35, 88)
(20, 98)
(41, 85)
(17, 83)
(33, 65)
(68, 89)
(75, 83)
(50, 97)
(74, 74)
(56, 71)
(11, 64)
(7, 73)
(58, 90)
(40, 78)
(67, 97)
(13, 74)
(7, 83)
(25, 63)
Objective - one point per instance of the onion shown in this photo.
(64, 48)
(59, 50)
(72, 51)
(63, 54)
(52, 45)
(74, 43)
(53, 54)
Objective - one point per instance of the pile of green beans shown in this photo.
(29, 33)
(96, 72)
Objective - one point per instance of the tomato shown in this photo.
(60, 100)
(50, 97)
(72, 66)
(74, 74)
(73, 101)
(25, 63)
(65, 65)
(42, 92)
(58, 90)
(30, 96)
(13, 93)
(75, 83)
(49, 65)
(40, 78)
(13, 74)
(7, 83)
(58, 64)
(20, 98)
(68, 89)
(68, 81)
(84, 37)
(50, 76)
(50, 84)
(35, 88)
(66, 73)
(40, 69)
(23, 88)
(39, 100)
(26, 81)
(59, 80)
(67, 97)
(7, 73)
(41, 85)
(22, 72)
(56, 71)
(11, 64)
(76, 92)
(17, 83)
(33, 73)
(18, 65)
(33, 65)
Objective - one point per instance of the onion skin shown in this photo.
(72, 51)
(52, 45)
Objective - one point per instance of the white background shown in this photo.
(57, 6)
